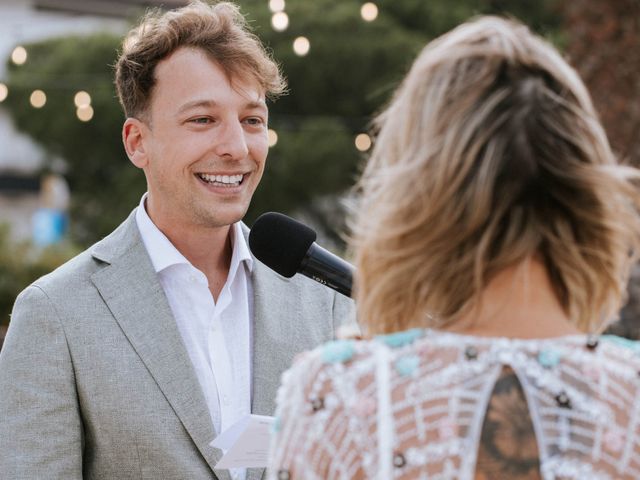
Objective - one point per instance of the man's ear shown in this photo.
(133, 133)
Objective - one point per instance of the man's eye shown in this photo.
(254, 121)
(200, 120)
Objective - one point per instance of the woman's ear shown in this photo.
(133, 133)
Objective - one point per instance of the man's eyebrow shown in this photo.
(212, 103)
(256, 104)
(196, 104)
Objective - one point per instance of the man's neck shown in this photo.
(208, 249)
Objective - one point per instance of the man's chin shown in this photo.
(225, 219)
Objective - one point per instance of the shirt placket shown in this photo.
(221, 363)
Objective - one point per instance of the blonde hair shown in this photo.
(219, 30)
(489, 153)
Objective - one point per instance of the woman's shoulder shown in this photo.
(622, 346)
(352, 350)
(334, 354)
(351, 359)
(621, 353)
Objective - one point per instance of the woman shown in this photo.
(493, 241)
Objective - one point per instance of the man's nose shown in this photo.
(231, 141)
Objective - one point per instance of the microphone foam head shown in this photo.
(280, 242)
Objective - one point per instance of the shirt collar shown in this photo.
(164, 254)
(241, 252)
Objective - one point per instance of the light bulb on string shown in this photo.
(84, 113)
(363, 142)
(369, 12)
(19, 55)
(273, 137)
(38, 99)
(280, 21)
(301, 46)
(276, 5)
(82, 99)
(4, 92)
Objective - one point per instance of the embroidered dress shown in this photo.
(411, 405)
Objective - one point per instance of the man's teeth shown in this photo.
(224, 179)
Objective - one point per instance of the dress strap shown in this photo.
(385, 416)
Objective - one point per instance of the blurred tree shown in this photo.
(438, 16)
(349, 72)
(603, 43)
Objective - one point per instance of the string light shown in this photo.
(85, 113)
(4, 91)
(369, 12)
(82, 99)
(38, 99)
(363, 142)
(301, 46)
(19, 55)
(280, 21)
(273, 137)
(276, 5)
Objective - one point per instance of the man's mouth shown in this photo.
(222, 180)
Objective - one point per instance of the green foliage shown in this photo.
(22, 263)
(348, 74)
(352, 65)
(314, 157)
(434, 17)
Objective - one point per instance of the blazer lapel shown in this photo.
(130, 287)
(273, 298)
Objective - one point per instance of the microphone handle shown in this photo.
(328, 269)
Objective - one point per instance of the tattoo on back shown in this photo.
(508, 447)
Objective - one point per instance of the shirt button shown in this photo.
(225, 399)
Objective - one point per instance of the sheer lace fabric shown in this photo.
(412, 405)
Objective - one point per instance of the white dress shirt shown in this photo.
(217, 335)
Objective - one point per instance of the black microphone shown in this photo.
(288, 247)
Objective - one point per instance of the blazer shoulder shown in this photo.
(78, 268)
(76, 272)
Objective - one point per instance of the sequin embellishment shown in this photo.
(399, 460)
(548, 358)
(400, 339)
(407, 366)
(562, 399)
(471, 352)
(338, 351)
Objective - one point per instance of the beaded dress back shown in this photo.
(413, 405)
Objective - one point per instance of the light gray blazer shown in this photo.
(96, 383)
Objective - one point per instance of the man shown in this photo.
(127, 361)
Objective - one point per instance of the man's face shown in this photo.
(206, 143)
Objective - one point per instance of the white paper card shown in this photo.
(245, 443)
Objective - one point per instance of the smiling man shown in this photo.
(127, 361)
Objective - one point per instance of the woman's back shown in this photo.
(424, 404)
(492, 204)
